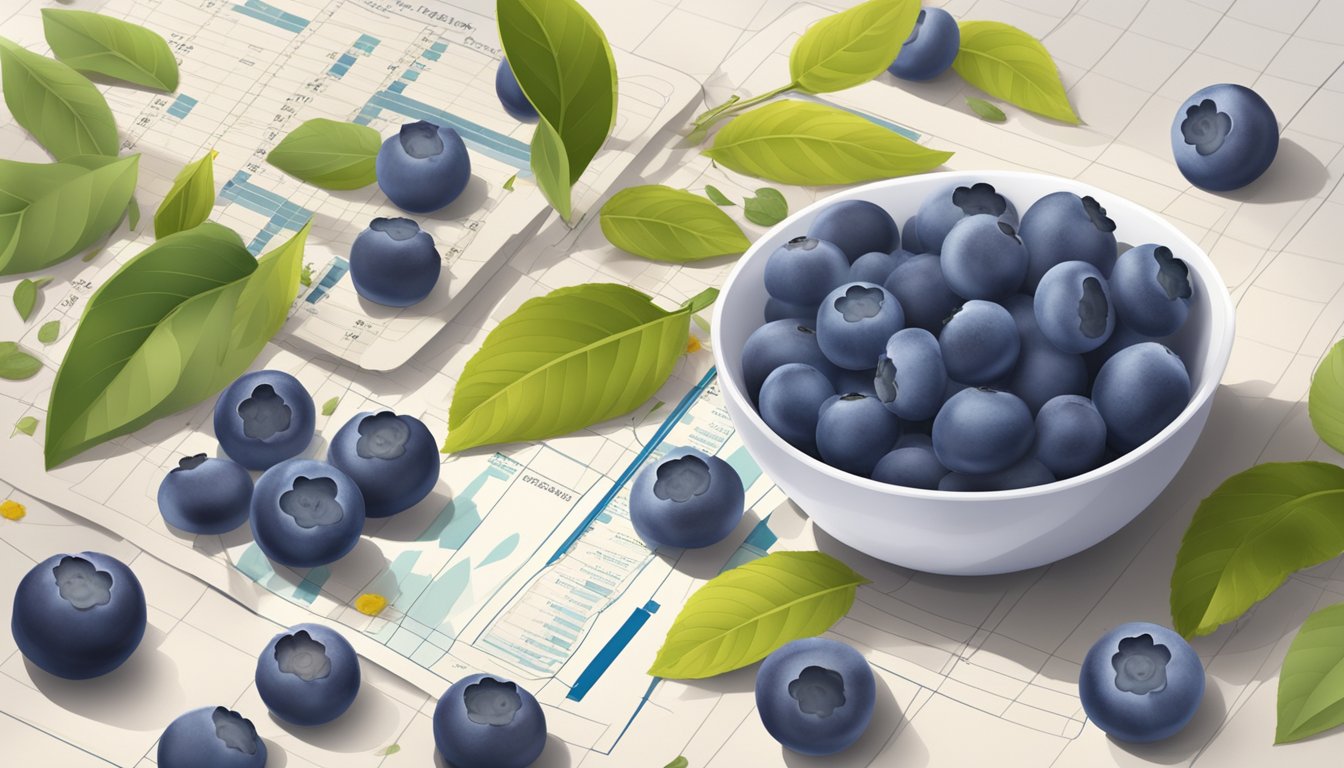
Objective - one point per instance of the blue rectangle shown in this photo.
(411, 74)
(396, 87)
(598, 666)
(431, 55)
(346, 59)
(439, 47)
(596, 588)
(274, 17)
(335, 272)
(337, 70)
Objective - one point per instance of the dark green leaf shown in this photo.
(27, 425)
(1325, 405)
(133, 214)
(92, 42)
(1010, 64)
(190, 199)
(65, 112)
(680, 762)
(767, 208)
(49, 331)
(15, 364)
(666, 224)
(985, 110)
(1311, 684)
(713, 193)
(25, 295)
(329, 154)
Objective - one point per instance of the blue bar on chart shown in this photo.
(283, 213)
(335, 271)
(598, 666)
(342, 65)
(361, 47)
(181, 106)
(272, 15)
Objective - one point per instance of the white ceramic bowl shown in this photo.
(991, 532)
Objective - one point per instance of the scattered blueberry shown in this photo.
(1151, 289)
(1224, 137)
(511, 94)
(1070, 436)
(980, 431)
(804, 270)
(943, 209)
(1141, 682)
(1065, 227)
(1024, 474)
(205, 495)
(877, 266)
(790, 402)
(853, 431)
(211, 737)
(983, 258)
(78, 616)
(856, 227)
(921, 288)
(1073, 307)
(979, 343)
(911, 377)
(777, 343)
(1138, 392)
(487, 721)
(424, 167)
(263, 418)
(393, 459)
(308, 675)
(854, 323)
(394, 263)
(815, 696)
(931, 47)
(306, 513)
(686, 499)
(912, 465)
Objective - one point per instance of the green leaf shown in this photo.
(1325, 404)
(172, 327)
(1250, 534)
(27, 425)
(805, 143)
(1010, 64)
(329, 407)
(567, 360)
(15, 364)
(508, 183)
(49, 331)
(65, 112)
(390, 749)
(666, 224)
(740, 616)
(51, 211)
(680, 762)
(329, 154)
(133, 214)
(25, 295)
(550, 168)
(713, 193)
(985, 110)
(1311, 683)
(190, 199)
(851, 47)
(306, 275)
(767, 208)
(92, 42)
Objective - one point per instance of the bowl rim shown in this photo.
(1221, 335)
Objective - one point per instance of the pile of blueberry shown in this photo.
(970, 350)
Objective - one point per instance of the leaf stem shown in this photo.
(733, 105)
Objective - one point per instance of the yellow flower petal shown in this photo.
(370, 604)
(12, 510)
(693, 344)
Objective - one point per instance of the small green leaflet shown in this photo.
(811, 144)
(1010, 64)
(51, 211)
(565, 361)
(1325, 405)
(767, 208)
(306, 275)
(25, 295)
(985, 110)
(672, 225)
(172, 327)
(132, 214)
(713, 193)
(15, 364)
(92, 42)
(329, 154)
(27, 425)
(550, 169)
(49, 331)
(680, 762)
(190, 199)
(390, 749)
(329, 407)
(1311, 683)
(740, 616)
(508, 183)
(65, 112)
(1251, 533)
(851, 47)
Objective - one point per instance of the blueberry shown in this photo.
(854, 323)
(980, 431)
(922, 290)
(783, 310)
(931, 47)
(1073, 307)
(211, 737)
(1070, 436)
(1141, 682)
(853, 431)
(1123, 336)
(1065, 227)
(910, 236)
(942, 210)
(847, 381)
(777, 343)
(1024, 474)
(263, 418)
(980, 343)
(790, 402)
(308, 675)
(393, 459)
(911, 378)
(202, 495)
(1224, 137)
(394, 262)
(488, 721)
(511, 94)
(423, 168)
(306, 513)
(804, 270)
(1138, 392)
(856, 227)
(983, 258)
(913, 466)
(815, 696)
(1151, 289)
(877, 266)
(1044, 372)
(686, 500)
(78, 616)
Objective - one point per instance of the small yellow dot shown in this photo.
(370, 604)
(12, 510)
(693, 344)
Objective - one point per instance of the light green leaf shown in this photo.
(329, 154)
(172, 327)
(27, 425)
(985, 110)
(1325, 404)
(767, 208)
(666, 224)
(51, 211)
(1010, 64)
(851, 47)
(390, 749)
(567, 360)
(49, 331)
(1251, 533)
(550, 168)
(65, 112)
(329, 407)
(713, 193)
(805, 143)
(190, 199)
(740, 616)
(92, 42)
(306, 275)
(1311, 683)
(15, 364)
(508, 183)
(680, 762)
(25, 295)
(133, 214)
